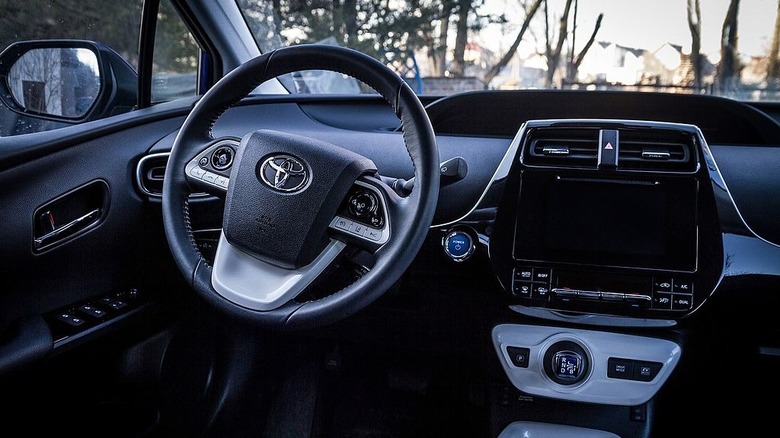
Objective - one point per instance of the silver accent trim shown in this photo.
(600, 346)
(258, 285)
(85, 221)
(502, 171)
(445, 245)
(214, 180)
(284, 167)
(523, 429)
(591, 319)
(139, 175)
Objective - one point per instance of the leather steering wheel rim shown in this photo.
(410, 218)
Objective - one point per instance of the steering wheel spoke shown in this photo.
(209, 170)
(259, 285)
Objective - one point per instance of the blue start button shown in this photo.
(458, 245)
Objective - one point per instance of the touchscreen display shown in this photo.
(622, 223)
(626, 219)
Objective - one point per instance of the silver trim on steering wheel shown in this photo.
(258, 285)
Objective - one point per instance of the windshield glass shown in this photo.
(720, 47)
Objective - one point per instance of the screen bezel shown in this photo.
(680, 228)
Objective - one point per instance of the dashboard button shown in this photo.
(525, 274)
(92, 311)
(519, 356)
(682, 286)
(540, 291)
(523, 289)
(662, 301)
(542, 275)
(620, 368)
(662, 284)
(646, 371)
(69, 319)
(681, 302)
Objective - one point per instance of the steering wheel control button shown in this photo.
(458, 245)
(210, 177)
(203, 162)
(518, 356)
(618, 368)
(222, 181)
(372, 234)
(197, 172)
(566, 363)
(363, 203)
(222, 158)
(342, 224)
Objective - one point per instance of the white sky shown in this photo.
(645, 24)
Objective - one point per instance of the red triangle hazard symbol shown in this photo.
(608, 147)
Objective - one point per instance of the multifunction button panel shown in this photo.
(584, 365)
(212, 166)
(363, 215)
(568, 289)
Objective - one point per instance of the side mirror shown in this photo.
(66, 80)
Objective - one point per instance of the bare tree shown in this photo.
(438, 51)
(729, 66)
(553, 53)
(694, 24)
(496, 69)
(461, 38)
(772, 69)
(575, 61)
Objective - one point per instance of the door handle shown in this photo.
(71, 227)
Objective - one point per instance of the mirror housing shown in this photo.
(66, 80)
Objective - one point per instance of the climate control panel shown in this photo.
(571, 289)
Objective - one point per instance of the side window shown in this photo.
(175, 59)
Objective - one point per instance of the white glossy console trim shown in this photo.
(532, 429)
(258, 285)
(600, 346)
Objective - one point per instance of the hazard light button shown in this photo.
(608, 148)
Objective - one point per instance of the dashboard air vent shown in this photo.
(150, 173)
(562, 147)
(656, 150)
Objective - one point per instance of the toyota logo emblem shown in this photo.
(284, 173)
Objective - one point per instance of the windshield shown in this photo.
(721, 47)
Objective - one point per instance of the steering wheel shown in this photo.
(295, 204)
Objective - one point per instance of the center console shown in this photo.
(607, 217)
